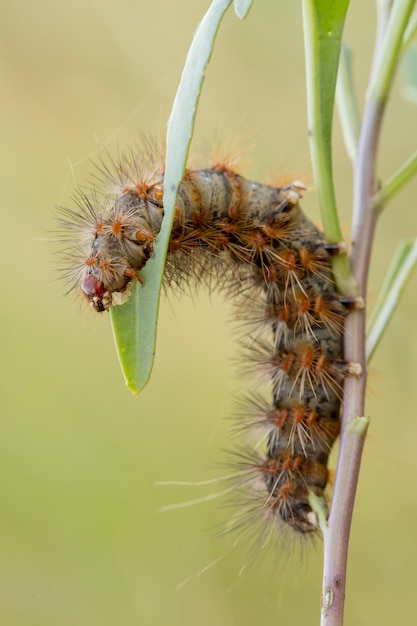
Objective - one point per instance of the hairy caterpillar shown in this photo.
(253, 241)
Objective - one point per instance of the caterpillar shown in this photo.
(254, 242)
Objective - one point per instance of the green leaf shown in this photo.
(396, 182)
(347, 104)
(358, 427)
(410, 31)
(242, 7)
(399, 272)
(409, 74)
(323, 29)
(391, 46)
(134, 323)
(132, 338)
(319, 506)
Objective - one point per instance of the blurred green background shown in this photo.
(81, 539)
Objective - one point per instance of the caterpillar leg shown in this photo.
(334, 249)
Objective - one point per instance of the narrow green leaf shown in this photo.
(242, 7)
(410, 31)
(319, 506)
(323, 28)
(397, 181)
(399, 272)
(409, 74)
(134, 323)
(347, 104)
(129, 336)
(358, 427)
(382, 77)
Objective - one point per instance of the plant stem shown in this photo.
(341, 516)
(391, 27)
(337, 539)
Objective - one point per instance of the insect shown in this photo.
(253, 242)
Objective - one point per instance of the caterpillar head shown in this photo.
(94, 290)
(114, 243)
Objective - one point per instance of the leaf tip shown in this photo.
(242, 8)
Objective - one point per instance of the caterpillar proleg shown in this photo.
(253, 242)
